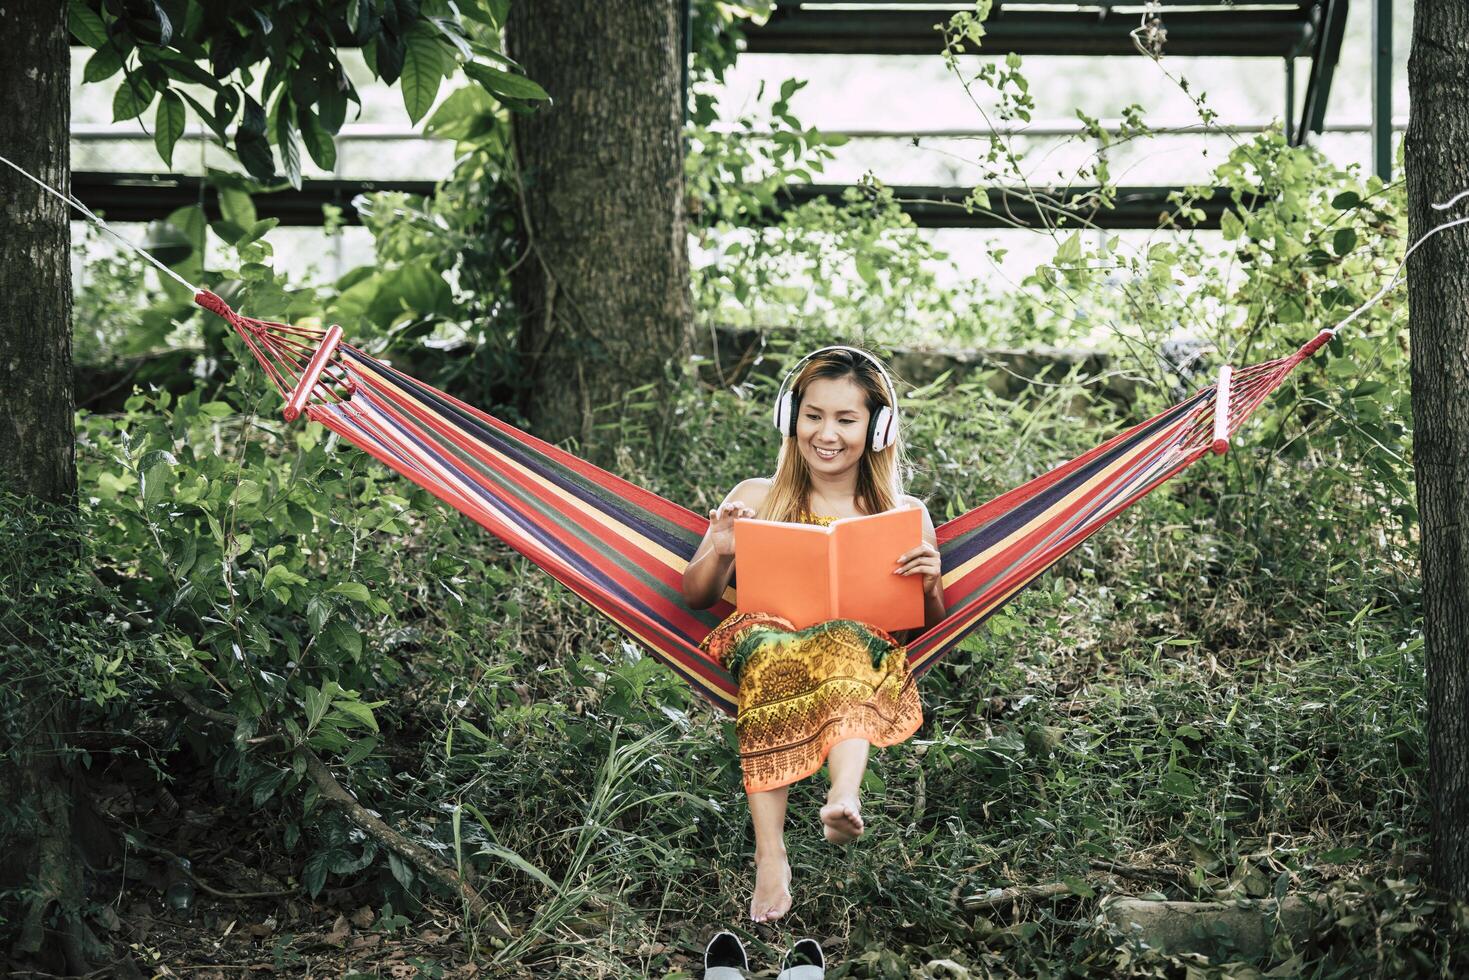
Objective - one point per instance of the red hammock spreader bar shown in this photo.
(624, 548)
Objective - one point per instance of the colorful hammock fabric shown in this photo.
(624, 549)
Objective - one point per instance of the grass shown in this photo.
(1214, 697)
(1177, 710)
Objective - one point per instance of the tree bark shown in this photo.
(605, 295)
(37, 456)
(1438, 293)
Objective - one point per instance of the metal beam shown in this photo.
(148, 197)
(1324, 57)
(1290, 100)
(1382, 88)
(942, 207)
(1226, 31)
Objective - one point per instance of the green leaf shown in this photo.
(1078, 886)
(491, 13)
(168, 125)
(251, 145)
(426, 61)
(355, 591)
(516, 861)
(1232, 228)
(357, 712)
(86, 25)
(505, 854)
(1070, 251)
(248, 235)
(1178, 784)
(313, 876)
(105, 63)
(361, 749)
(286, 142)
(317, 703)
(210, 119)
(279, 575)
(236, 207)
(1343, 241)
(1340, 855)
(504, 84)
(132, 98)
(319, 143)
(1346, 200)
(342, 637)
(155, 480)
(165, 26)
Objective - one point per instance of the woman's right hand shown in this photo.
(721, 525)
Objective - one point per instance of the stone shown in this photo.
(1209, 928)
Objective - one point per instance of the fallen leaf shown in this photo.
(341, 929)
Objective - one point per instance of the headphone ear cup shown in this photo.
(785, 413)
(882, 429)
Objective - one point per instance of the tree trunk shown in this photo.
(37, 455)
(605, 296)
(1438, 292)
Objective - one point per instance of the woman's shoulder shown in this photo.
(908, 500)
(752, 491)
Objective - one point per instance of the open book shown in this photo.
(809, 574)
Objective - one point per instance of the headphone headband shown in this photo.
(882, 423)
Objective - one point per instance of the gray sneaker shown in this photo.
(724, 958)
(805, 961)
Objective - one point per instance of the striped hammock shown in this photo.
(624, 549)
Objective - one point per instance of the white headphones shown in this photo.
(882, 425)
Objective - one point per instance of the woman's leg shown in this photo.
(842, 815)
(772, 897)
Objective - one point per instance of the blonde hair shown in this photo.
(879, 475)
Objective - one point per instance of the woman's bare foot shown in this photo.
(842, 819)
(772, 898)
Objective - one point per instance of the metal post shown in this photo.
(1290, 100)
(1382, 88)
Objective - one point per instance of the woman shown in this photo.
(828, 692)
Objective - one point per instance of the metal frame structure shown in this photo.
(1287, 29)
(1273, 28)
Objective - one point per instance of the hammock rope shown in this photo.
(623, 548)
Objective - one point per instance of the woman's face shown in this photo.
(831, 427)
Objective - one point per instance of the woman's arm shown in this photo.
(709, 571)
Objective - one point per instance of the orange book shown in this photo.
(809, 574)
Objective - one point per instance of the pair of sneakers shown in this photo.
(725, 959)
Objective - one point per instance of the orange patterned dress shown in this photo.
(803, 691)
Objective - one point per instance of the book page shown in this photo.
(864, 553)
(783, 570)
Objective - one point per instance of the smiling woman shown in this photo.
(826, 693)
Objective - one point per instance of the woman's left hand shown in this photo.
(923, 560)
